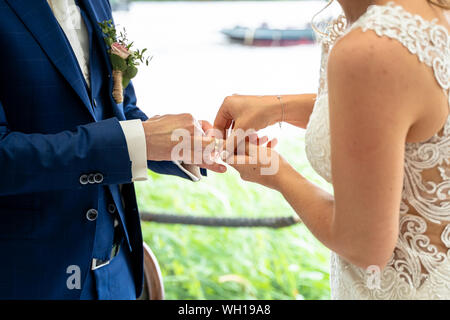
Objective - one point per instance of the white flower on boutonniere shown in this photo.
(124, 60)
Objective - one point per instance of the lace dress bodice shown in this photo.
(420, 264)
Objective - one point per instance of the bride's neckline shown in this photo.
(340, 26)
(395, 6)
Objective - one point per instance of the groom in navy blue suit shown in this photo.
(69, 222)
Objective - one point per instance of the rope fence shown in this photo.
(269, 222)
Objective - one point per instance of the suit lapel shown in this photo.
(96, 18)
(95, 15)
(40, 21)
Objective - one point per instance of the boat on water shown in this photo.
(120, 5)
(265, 36)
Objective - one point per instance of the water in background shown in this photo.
(195, 67)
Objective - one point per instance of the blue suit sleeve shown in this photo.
(43, 162)
(133, 112)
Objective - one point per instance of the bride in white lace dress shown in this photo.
(379, 131)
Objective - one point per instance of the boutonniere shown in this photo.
(124, 60)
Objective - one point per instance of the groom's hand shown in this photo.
(181, 138)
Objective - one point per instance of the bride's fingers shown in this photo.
(233, 141)
(237, 161)
(207, 127)
(251, 149)
(238, 139)
(272, 143)
(216, 167)
(255, 139)
(262, 140)
(206, 149)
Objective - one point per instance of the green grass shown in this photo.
(230, 263)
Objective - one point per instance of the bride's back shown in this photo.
(425, 207)
(420, 264)
(424, 242)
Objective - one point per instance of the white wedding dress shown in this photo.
(420, 264)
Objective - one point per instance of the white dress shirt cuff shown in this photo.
(191, 170)
(137, 148)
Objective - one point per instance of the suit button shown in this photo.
(98, 178)
(92, 214)
(84, 179)
(95, 103)
(91, 179)
(111, 208)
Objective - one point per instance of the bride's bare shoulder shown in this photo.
(377, 62)
(366, 54)
(376, 72)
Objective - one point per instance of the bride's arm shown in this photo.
(372, 107)
(298, 108)
(258, 112)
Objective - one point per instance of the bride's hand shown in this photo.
(248, 113)
(259, 164)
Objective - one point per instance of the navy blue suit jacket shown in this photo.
(49, 138)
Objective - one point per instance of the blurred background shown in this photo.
(202, 52)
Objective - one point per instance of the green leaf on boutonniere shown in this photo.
(109, 41)
(125, 82)
(118, 63)
(130, 72)
(118, 43)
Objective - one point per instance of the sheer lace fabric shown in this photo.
(420, 264)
